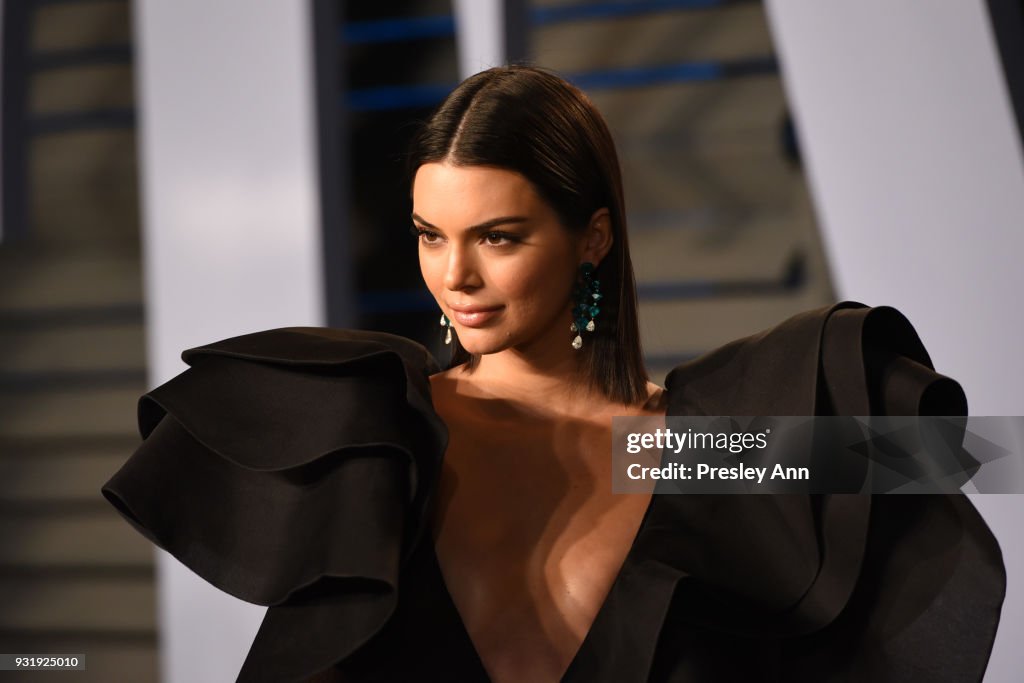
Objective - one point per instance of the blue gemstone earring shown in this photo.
(586, 295)
(445, 322)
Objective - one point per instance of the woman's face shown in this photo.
(494, 255)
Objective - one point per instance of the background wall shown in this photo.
(231, 232)
(917, 174)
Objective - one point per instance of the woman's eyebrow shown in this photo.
(486, 225)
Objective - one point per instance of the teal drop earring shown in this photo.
(586, 295)
(445, 322)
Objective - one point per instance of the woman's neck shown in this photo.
(550, 380)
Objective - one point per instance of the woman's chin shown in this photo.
(482, 342)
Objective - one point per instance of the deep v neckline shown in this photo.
(598, 617)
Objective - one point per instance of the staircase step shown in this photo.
(31, 280)
(70, 348)
(52, 479)
(75, 25)
(703, 182)
(49, 540)
(678, 35)
(84, 187)
(759, 248)
(82, 88)
(82, 413)
(694, 116)
(114, 604)
(684, 327)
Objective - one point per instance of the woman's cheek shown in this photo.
(432, 271)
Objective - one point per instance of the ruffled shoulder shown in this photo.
(883, 587)
(844, 359)
(291, 468)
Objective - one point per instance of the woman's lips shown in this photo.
(476, 317)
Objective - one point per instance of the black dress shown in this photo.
(296, 468)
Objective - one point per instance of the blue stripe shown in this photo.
(397, 97)
(408, 96)
(611, 10)
(440, 26)
(647, 75)
(393, 30)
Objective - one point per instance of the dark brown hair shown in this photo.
(528, 120)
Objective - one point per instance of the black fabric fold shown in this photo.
(824, 587)
(291, 468)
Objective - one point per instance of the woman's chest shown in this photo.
(529, 538)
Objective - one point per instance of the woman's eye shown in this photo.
(425, 236)
(498, 239)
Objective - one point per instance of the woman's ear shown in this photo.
(598, 238)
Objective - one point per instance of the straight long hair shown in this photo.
(531, 121)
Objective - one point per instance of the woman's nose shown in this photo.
(461, 269)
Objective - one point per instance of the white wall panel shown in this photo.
(231, 232)
(479, 35)
(915, 165)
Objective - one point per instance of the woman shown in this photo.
(410, 524)
(506, 233)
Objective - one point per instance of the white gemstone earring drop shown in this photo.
(445, 322)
